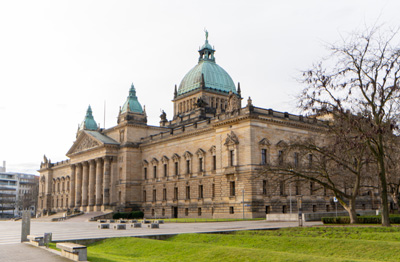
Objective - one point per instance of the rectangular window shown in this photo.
(188, 192)
(296, 159)
(282, 188)
(214, 162)
(311, 188)
(267, 210)
(154, 195)
(163, 212)
(314, 208)
(280, 157)
(153, 212)
(298, 189)
(213, 190)
(186, 211)
(164, 195)
(232, 188)
(264, 187)
(176, 169)
(187, 166)
(327, 208)
(284, 209)
(231, 210)
(200, 191)
(155, 171)
(165, 170)
(263, 156)
(310, 160)
(199, 211)
(144, 195)
(232, 157)
(200, 164)
(176, 193)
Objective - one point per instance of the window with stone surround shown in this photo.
(199, 211)
(164, 194)
(186, 211)
(188, 158)
(187, 192)
(154, 162)
(154, 195)
(145, 172)
(175, 193)
(163, 212)
(212, 151)
(144, 196)
(264, 187)
(165, 161)
(213, 190)
(200, 191)
(231, 210)
(296, 159)
(201, 156)
(232, 188)
(175, 159)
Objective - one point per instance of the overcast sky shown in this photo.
(57, 57)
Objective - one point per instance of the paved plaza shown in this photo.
(12, 250)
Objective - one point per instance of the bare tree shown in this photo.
(362, 77)
(337, 161)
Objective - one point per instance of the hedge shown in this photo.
(394, 219)
(128, 215)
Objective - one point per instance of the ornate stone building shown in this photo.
(204, 162)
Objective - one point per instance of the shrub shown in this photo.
(394, 219)
(128, 215)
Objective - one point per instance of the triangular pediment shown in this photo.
(83, 143)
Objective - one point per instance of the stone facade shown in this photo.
(204, 162)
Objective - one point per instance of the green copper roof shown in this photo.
(132, 104)
(215, 77)
(88, 123)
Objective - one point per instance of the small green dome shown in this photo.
(215, 77)
(132, 104)
(88, 123)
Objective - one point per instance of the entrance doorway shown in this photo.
(174, 212)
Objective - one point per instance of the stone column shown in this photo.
(106, 182)
(92, 183)
(113, 182)
(78, 186)
(85, 182)
(99, 183)
(72, 188)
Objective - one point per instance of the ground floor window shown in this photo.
(199, 211)
(163, 212)
(267, 209)
(231, 210)
(186, 211)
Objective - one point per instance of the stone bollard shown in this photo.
(25, 225)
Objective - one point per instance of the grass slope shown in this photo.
(294, 244)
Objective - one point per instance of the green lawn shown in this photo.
(292, 244)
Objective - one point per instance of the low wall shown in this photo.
(315, 216)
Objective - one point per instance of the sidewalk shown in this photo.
(26, 252)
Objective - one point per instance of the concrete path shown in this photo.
(25, 252)
(12, 250)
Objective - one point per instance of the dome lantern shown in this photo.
(206, 74)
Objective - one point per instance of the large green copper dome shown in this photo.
(215, 77)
